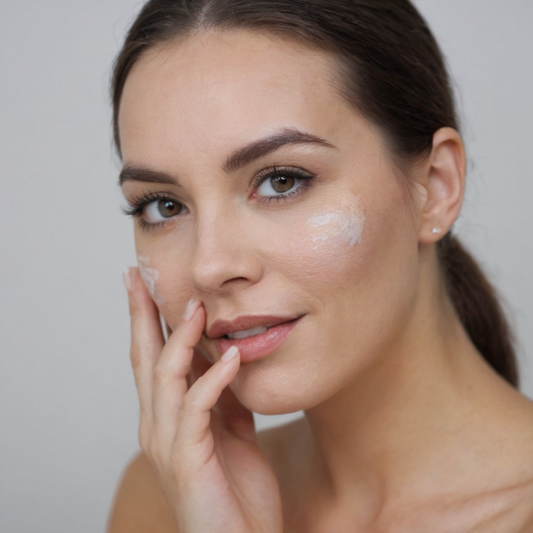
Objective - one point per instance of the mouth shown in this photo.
(245, 326)
(258, 341)
(244, 334)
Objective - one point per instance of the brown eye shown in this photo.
(168, 208)
(282, 183)
(161, 210)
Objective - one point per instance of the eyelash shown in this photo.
(137, 205)
(278, 171)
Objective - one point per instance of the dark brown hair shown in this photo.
(392, 71)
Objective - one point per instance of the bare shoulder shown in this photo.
(140, 505)
(509, 509)
(507, 503)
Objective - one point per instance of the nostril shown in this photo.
(218, 266)
(233, 280)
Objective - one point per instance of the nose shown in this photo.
(224, 254)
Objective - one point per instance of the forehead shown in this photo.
(220, 89)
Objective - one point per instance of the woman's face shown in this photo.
(311, 222)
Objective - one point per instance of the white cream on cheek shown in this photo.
(150, 277)
(339, 227)
(329, 232)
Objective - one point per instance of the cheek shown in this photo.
(318, 248)
(321, 257)
(358, 297)
(311, 249)
(150, 276)
(164, 274)
(338, 228)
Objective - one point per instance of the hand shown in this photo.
(199, 438)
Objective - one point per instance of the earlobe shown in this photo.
(444, 183)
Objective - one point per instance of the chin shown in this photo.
(272, 389)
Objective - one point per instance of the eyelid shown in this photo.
(305, 177)
(274, 170)
(137, 205)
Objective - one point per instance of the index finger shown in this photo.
(171, 372)
(200, 363)
(147, 339)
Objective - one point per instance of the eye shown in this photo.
(161, 210)
(282, 182)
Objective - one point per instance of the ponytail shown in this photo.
(477, 305)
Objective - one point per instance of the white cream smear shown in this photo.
(149, 276)
(340, 227)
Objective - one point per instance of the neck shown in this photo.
(408, 424)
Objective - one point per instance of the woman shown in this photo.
(294, 169)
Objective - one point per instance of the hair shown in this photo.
(391, 70)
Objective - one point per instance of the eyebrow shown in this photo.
(134, 173)
(236, 160)
(264, 146)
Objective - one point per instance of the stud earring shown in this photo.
(436, 230)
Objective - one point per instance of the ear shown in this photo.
(444, 183)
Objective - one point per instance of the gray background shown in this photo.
(68, 404)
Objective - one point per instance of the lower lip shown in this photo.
(258, 346)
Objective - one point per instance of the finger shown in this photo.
(168, 331)
(202, 396)
(199, 365)
(235, 417)
(146, 338)
(169, 383)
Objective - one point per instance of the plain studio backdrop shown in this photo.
(68, 404)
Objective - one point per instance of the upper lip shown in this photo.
(221, 327)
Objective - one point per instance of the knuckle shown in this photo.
(135, 358)
(155, 451)
(133, 307)
(144, 443)
(164, 374)
(161, 375)
(189, 405)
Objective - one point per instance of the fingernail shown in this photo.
(127, 279)
(190, 309)
(230, 353)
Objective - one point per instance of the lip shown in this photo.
(253, 348)
(220, 327)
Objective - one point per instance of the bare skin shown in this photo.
(140, 504)
(406, 427)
